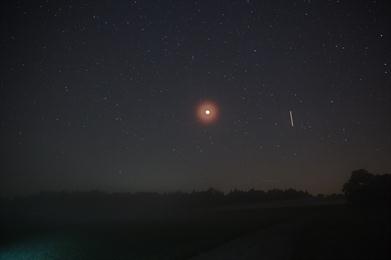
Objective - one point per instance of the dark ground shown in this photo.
(293, 231)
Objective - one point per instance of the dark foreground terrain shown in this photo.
(282, 230)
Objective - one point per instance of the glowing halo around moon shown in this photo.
(207, 112)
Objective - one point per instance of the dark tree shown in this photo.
(365, 189)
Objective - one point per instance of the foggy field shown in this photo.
(274, 232)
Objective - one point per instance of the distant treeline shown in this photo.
(210, 197)
(80, 206)
(362, 188)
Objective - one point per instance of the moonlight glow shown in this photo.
(207, 112)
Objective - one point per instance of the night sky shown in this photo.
(105, 94)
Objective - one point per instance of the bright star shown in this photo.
(207, 112)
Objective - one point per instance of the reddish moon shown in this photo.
(207, 112)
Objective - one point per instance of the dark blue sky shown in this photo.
(103, 94)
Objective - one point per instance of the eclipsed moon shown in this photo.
(207, 112)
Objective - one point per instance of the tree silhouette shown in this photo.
(365, 189)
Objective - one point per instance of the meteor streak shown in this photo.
(291, 116)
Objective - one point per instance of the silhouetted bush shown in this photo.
(366, 189)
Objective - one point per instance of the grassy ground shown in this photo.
(344, 233)
(315, 232)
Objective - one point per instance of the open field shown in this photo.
(288, 232)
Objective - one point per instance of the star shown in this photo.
(207, 112)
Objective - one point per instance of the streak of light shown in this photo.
(291, 116)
